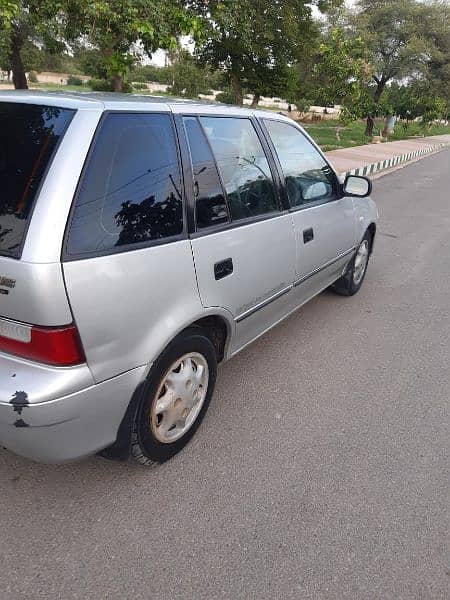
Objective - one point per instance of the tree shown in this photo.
(255, 41)
(115, 27)
(365, 57)
(151, 73)
(398, 41)
(403, 102)
(91, 62)
(436, 79)
(25, 27)
(189, 79)
(341, 73)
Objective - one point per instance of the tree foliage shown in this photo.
(342, 73)
(256, 40)
(437, 74)
(415, 100)
(400, 38)
(115, 27)
(118, 30)
(26, 26)
(188, 78)
(379, 58)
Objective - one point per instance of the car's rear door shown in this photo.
(243, 244)
(128, 262)
(323, 217)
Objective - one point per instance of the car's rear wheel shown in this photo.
(351, 281)
(175, 399)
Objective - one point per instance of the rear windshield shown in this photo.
(29, 135)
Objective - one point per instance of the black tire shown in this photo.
(346, 285)
(146, 449)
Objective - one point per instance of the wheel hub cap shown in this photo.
(179, 398)
(361, 258)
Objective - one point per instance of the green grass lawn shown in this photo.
(324, 133)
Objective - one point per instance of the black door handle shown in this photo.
(308, 235)
(223, 268)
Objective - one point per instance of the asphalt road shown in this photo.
(320, 471)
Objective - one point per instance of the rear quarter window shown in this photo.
(130, 189)
(29, 135)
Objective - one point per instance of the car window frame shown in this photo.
(308, 204)
(69, 257)
(280, 210)
(191, 175)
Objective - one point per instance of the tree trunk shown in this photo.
(369, 126)
(236, 85)
(18, 69)
(256, 99)
(381, 84)
(117, 83)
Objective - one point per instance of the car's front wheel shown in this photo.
(351, 281)
(175, 399)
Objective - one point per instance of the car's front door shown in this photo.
(323, 218)
(243, 244)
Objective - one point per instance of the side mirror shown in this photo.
(357, 185)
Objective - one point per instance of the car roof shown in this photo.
(116, 101)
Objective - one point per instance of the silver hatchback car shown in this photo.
(142, 242)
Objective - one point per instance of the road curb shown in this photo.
(394, 161)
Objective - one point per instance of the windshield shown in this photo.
(29, 135)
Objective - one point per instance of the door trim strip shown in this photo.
(323, 267)
(251, 311)
(262, 304)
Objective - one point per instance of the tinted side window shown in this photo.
(308, 177)
(243, 166)
(29, 135)
(210, 204)
(130, 191)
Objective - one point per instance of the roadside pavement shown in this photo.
(372, 158)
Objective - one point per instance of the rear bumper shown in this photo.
(71, 426)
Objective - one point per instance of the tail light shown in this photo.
(59, 346)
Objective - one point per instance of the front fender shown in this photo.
(366, 214)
